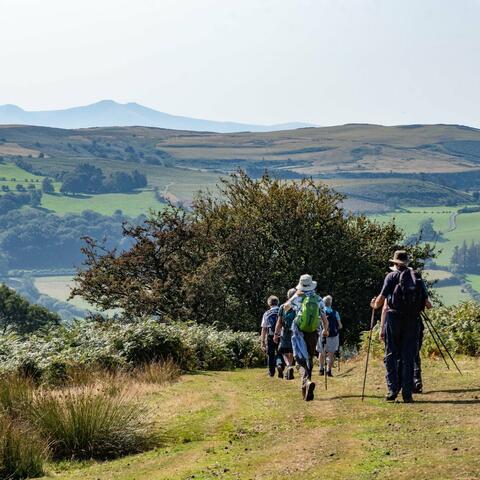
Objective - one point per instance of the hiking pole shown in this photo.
(427, 320)
(368, 352)
(324, 345)
(436, 342)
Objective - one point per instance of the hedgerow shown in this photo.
(49, 356)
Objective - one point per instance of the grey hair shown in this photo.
(328, 300)
(273, 300)
(291, 293)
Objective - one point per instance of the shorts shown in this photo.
(283, 350)
(333, 343)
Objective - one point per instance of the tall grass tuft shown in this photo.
(158, 373)
(91, 422)
(21, 452)
(16, 393)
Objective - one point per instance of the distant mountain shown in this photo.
(108, 113)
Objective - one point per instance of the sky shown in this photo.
(327, 62)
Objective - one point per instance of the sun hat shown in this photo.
(400, 257)
(306, 284)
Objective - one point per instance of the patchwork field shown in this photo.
(244, 425)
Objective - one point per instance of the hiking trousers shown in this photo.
(311, 339)
(401, 346)
(274, 358)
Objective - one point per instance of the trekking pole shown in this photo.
(427, 320)
(436, 342)
(324, 344)
(368, 352)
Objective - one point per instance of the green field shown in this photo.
(243, 425)
(131, 204)
(59, 287)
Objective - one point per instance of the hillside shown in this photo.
(107, 112)
(243, 425)
(378, 167)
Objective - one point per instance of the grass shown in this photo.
(474, 280)
(243, 425)
(131, 204)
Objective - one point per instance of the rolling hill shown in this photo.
(378, 167)
(107, 113)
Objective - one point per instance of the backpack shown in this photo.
(272, 316)
(308, 318)
(409, 295)
(288, 318)
(332, 323)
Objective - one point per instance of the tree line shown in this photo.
(87, 178)
(466, 258)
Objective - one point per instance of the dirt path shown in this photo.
(243, 425)
(452, 221)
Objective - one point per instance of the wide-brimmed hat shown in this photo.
(400, 257)
(306, 284)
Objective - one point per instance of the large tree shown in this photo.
(220, 262)
(21, 316)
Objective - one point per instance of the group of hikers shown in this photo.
(306, 325)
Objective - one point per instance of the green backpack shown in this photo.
(308, 318)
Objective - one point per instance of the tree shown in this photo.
(47, 185)
(426, 231)
(220, 262)
(21, 316)
(20, 188)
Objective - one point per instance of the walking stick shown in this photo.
(436, 343)
(368, 352)
(427, 320)
(324, 344)
(338, 359)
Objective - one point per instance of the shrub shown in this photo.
(91, 422)
(21, 451)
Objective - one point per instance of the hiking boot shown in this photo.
(304, 391)
(310, 389)
(280, 369)
(322, 372)
(290, 375)
(418, 388)
(391, 396)
(329, 373)
(408, 399)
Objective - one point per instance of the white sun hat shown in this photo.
(306, 284)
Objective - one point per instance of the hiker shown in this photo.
(417, 366)
(327, 346)
(283, 335)
(269, 321)
(309, 320)
(406, 297)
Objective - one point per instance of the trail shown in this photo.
(452, 221)
(242, 425)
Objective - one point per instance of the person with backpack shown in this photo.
(283, 335)
(331, 344)
(269, 321)
(310, 322)
(406, 297)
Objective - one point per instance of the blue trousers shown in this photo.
(274, 358)
(401, 340)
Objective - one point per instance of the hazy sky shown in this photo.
(260, 61)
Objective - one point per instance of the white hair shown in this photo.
(328, 300)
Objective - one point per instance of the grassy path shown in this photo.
(243, 425)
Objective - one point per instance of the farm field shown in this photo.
(244, 425)
(131, 204)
